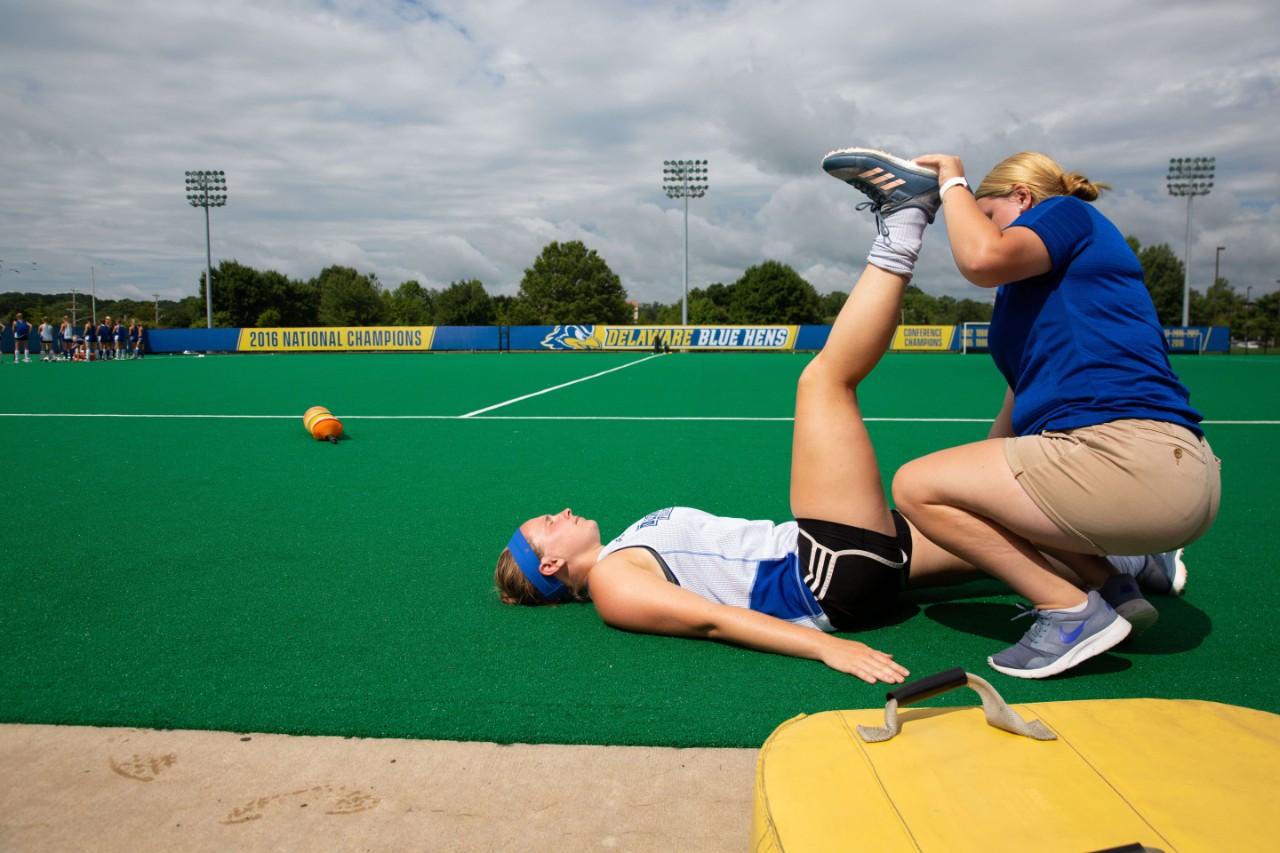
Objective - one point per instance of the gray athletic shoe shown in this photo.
(890, 182)
(1163, 574)
(1122, 593)
(1060, 640)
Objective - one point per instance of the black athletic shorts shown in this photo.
(855, 574)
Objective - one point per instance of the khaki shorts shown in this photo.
(1125, 487)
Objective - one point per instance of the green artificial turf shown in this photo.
(231, 573)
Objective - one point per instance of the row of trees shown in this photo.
(79, 308)
(1221, 305)
(569, 283)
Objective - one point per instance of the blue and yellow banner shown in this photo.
(337, 339)
(674, 337)
(1198, 339)
(1185, 338)
(924, 339)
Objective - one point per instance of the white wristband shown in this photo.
(953, 182)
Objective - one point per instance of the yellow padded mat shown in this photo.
(1167, 774)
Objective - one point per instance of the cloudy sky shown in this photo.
(449, 140)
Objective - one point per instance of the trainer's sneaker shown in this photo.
(1059, 640)
(890, 182)
(1122, 593)
(1163, 574)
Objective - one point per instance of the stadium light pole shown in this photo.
(1248, 303)
(1217, 255)
(685, 179)
(207, 189)
(1190, 177)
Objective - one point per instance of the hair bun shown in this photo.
(1076, 184)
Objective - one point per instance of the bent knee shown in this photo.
(822, 376)
(910, 487)
(815, 373)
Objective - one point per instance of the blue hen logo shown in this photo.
(572, 337)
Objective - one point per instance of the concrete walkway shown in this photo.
(89, 789)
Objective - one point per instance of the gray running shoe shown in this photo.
(1060, 640)
(1122, 593)
(1163, 574)
(890, 183)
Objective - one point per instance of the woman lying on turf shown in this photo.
(766, 586)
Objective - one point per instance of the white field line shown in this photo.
(470, 416)
(558, 387)
(133, 415)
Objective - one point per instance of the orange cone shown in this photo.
(321, 423)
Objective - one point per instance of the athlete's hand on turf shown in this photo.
(854, 658)
(948, 165)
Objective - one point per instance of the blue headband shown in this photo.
(528, 561)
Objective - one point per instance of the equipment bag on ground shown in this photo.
(1074, 776)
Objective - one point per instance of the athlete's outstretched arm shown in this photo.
(631, 598)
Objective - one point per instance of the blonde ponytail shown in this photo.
(1041, 175)
(1076, 184)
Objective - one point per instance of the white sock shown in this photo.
(1079, 608)
(897, 251)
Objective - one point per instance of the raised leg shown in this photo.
(834, 472)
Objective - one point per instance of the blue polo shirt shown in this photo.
(1081, 345)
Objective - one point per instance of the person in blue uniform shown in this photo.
(21, 337)
(1097, 450)
(103, 336)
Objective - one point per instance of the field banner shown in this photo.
(1197, 339)
(337, 339)
(924, 339)
(973, 337)
(673, 337)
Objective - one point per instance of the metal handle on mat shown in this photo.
(997, 711)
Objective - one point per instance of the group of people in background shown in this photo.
(104, 341)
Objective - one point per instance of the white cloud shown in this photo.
(451, 140)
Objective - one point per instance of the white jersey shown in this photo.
(733, 561)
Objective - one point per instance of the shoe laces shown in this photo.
(874, 207)
(1042, 618)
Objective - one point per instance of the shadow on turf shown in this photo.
(1182, 626)
(913, 601)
